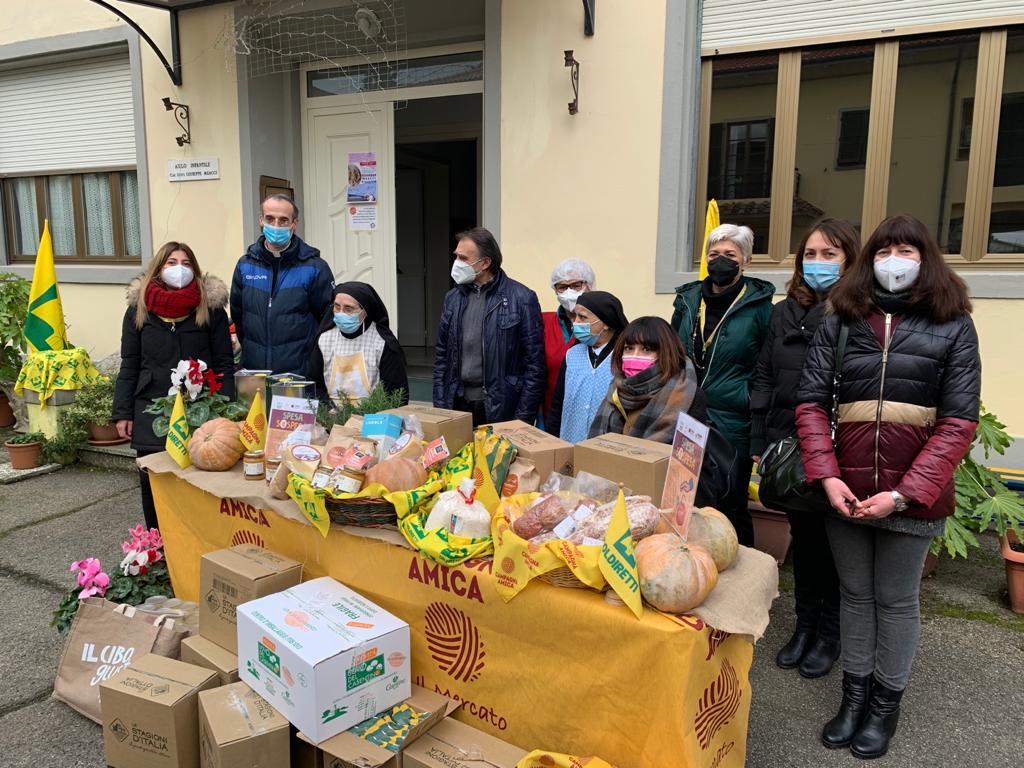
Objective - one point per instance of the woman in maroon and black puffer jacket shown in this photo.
(908, 409)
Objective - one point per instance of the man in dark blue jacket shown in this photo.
(279, 293)
(490, 343)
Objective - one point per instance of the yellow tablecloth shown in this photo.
(50, 370)
(556, 668)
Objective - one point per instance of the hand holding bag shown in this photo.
(784, 485)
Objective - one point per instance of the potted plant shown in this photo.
(63, 447)
(199, 388)
(1013, 557)
(26, 450)
(13, 309)
(91, 412)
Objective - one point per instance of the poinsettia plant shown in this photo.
(142, 574)
(200, 391)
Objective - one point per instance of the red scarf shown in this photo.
(172, 302)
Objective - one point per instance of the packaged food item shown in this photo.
(271, 468)
(303, 459)
(541, 516)
(643, 520)
(435, 454)
(253, 465)
(460, 513)
(407, 446)
(346, 480)
(522, 478)
(321, 477)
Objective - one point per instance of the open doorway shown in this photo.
(437, 194)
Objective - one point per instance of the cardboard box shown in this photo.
(451, 744)
(455, 426)
(346, 749)
(239, 729)
(230, 577)
(325, 656)
(205, 653)
(640, 464)
(150, 713)
(548, 453)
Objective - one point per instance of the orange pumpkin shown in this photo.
(712, 530)
(675, 577)
(397, 474)
(215, 446)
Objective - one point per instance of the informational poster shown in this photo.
(362, 218)
(684, 471)
(362, 177)
(287, 416)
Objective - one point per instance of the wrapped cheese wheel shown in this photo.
(406, 447)
(303, 459)
(460, 513)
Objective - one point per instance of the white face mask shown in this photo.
(895, 273)
(568, 299)
(463, 272)
(177, 276)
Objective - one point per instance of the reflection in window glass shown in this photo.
(741, 141)
(928, 172)
(406, 73)
(24, 216)
(60, 209)
(1006, 226)
(831, 135)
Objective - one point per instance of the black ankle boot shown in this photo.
(819, 659)
(791, 653)
(840, 730)
(872, 740)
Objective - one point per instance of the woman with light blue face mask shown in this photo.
(355, 349)
(824, 254)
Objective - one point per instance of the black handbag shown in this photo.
(784, 483)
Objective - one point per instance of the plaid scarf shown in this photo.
(641, 406)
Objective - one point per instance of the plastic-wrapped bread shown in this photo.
(643, 520)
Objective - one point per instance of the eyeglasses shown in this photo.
(576, 285)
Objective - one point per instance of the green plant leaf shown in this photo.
(161, 426)
(991, 434)
(197, 413)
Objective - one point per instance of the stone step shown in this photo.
(109, 456)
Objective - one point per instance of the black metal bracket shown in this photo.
(183, 116)
(173, 67)
(574, 75)
(588, 17)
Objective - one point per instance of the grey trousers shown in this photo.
(879, 587)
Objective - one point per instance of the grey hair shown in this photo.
(574, 269)
(742, 235)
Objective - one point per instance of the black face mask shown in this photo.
(723, 271)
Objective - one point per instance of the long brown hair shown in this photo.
(938, 293)
(156, 264)
(839, 233)
(658, 336)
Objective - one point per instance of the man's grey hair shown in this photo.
(741, 235)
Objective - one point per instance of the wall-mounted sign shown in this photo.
(193, 169)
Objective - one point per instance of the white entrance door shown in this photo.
(368, 256)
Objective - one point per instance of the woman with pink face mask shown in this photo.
(653, 381)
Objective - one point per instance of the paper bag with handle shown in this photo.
(104, 639)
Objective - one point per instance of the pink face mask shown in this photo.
(634, 364)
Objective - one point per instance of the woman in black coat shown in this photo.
(175, 312)
(825, 252)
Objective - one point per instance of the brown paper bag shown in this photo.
(104, 639)
(522, 478)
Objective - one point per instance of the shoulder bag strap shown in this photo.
(837, 377)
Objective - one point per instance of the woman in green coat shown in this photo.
(722, 321)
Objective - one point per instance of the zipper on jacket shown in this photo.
(483, 352)
(881, 392)
(714, 345)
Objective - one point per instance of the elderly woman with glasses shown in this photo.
(569, 280)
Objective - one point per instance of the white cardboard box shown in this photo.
(324, 656)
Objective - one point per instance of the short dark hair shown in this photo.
(485, 244)
(839, 233)
(657, 335)
(283, 198)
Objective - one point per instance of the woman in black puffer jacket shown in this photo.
(826, 250)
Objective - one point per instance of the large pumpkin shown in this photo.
(215, 446)
(397, 474)
(675, 577)
(712, 530)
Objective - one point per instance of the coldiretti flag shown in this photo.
(254, 428)
(44, 325)
(711, 220)
(177, 435)
(618, 564)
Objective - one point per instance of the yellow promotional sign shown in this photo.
(648, 693)
(618, 564)
(254, 429)
(541, 759)
(178, 436)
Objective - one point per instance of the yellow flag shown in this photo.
(486, 493)
(618, 564)
(711, 220)
(44, 325)
(254, 428)
(177, 435)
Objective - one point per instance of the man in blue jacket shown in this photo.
(279, 293)
(490, 343)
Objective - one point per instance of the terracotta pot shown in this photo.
(25, 455)
(1014, 572)
(771, 531)
(930, 563)
(104, 434)
(6, 412)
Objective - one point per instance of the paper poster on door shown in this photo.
(362, 177)
(362, 217)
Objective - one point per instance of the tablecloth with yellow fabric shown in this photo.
(47, 371)
(559, 669)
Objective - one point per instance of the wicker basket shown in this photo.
(367, 512)
(563, 577)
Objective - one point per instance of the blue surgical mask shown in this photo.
(821, 275)
(347, 323)
(583, 334)
(277, 235)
